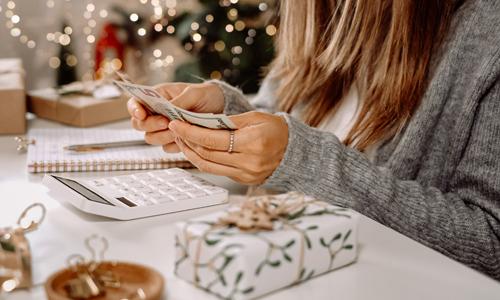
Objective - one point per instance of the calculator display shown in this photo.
(80, 189)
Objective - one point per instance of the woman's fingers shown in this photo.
(205, 165)
(214, 139)
(136, 110)
(151, 123)
(162, 137)
(250, 163)
(171, 148)
(188, 99)
(220, 157)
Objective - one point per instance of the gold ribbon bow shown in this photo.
(258, 213)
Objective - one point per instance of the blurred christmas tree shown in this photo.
(66, 73)
(229, 39)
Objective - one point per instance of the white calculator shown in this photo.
(138, 195)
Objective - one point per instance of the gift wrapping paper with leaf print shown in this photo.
(235, 264)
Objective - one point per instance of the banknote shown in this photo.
(157, 104)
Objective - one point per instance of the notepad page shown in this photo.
(48, 153)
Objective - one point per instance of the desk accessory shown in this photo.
(103, 146)
(265, 244)
(80, 104)
(22, 143)
(46, 151)
(15, 253)
(97, 279)
(12, 97)
(138, 195)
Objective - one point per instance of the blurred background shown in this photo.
(61, 41)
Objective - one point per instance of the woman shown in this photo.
(405, 98)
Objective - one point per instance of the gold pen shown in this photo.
(102, 146)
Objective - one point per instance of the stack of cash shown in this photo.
(157, 104)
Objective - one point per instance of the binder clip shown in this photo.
(15, 254)
(95, 278)
(90, 279)
(23, 143)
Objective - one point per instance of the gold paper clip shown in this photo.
(106, 277)
(33, 224)
(23, 143)
(85, 285)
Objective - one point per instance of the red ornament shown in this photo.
(109, 47)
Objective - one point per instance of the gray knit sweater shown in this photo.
(437, 182)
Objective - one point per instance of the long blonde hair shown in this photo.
(324, 46)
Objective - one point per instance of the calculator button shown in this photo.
(124, 190)
(167, 191)
(127, 180)
(197, 193)
(142, 176)
(98, 183)
(176, 182)
(213, 190)
(156, 184)
(177, 172)
(179, 196)
(164, 199)
(184, 187)
(148, 202)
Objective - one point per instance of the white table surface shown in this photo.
(390, 265)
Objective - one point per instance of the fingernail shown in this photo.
(173, 125)
(163, 124)
(137, 113)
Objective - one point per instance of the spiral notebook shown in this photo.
(47, 154)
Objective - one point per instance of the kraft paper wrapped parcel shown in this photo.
(12, 97)
(235, 263)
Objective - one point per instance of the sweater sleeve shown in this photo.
(235, 102)
(462, 223)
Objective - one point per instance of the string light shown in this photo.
(271, 30)
(54, 62)
(134, 17)
(219, 46)
(13, 25)
(157, 53)
(103, 13)
(196, 37)
(141, 31)
(158, 27)
(239, 25)
(163, 10)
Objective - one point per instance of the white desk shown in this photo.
(390, 266)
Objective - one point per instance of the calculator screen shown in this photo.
(80, 189)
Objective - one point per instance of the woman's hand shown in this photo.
(259, 145)
(202, 98)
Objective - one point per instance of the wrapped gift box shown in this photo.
(12, 97)
(76, 109)
(239, 264)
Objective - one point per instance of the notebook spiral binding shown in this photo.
(101, 165)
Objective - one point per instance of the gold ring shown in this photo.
(231, 142)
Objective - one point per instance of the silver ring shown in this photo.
(231, 142)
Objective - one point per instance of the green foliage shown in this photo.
(245, 51)
(335, 250)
